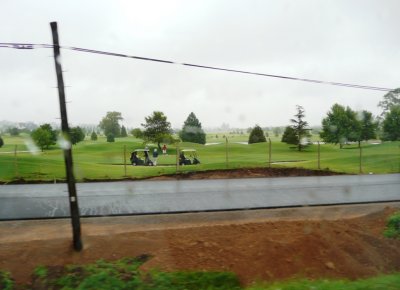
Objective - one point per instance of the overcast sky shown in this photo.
(339, 40)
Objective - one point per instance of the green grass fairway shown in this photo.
(102, 160)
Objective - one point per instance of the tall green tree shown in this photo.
(1, 142)
(300, 128)
(298, 132)
(390, 99)
(137, 133)
(368, 127)
(44, 136)
(123, 131)
(340, 125)
(192, 131)
(157, 129)
(391, 124)
(77, 135)
(110, 124)
(257, 135)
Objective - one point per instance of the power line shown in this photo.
(33, 46)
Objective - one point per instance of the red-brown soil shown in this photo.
(337, 241)
(248, 172)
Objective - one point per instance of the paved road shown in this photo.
(138, 197)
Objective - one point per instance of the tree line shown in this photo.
(340, 126)
(343, 125)
(156, 128)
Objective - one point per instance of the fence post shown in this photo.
(360, 170)
(125, 160)
(226, 153)
(177, 157)
(319, 156)
(16, 161)
(269, 152)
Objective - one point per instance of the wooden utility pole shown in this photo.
(73, 198)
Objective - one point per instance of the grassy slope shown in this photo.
(102, 160)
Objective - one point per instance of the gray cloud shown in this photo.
(346, 41)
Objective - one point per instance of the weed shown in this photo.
(40, 271)
(6, 282)
(393, 226)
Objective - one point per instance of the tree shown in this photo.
(77, 135)
(137, 133)
(110, 124)
(157, 129)
(391, 99)
(367, 127)
(110, 138)
(44, 136)
(123, 132)
(93, 137)
(257, 135)
(192, 131)
(14, 131)
(391, 124)
(289, 136)
(1, 142)
(299, 132)
(340, 126)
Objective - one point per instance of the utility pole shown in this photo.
(73, 198)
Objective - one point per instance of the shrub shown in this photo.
(393, 226)
(93, 137)
(6, 281)
(110, 138)
(257, 135)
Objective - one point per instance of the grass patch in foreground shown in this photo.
(124, 274)
(386, 282)
(6, 283)
(393, 226)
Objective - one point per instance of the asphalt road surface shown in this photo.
(144, 197)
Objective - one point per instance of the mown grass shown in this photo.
(384, 282)
(102, 160)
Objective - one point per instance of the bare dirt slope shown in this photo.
(338, 241)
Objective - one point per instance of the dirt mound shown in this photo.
(318, 242)
(248, 173)
(213, 174)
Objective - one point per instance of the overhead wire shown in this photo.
(93, 51)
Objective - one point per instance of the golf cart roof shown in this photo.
(188, 150)
(141, 150)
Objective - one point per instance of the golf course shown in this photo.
(100, 160)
